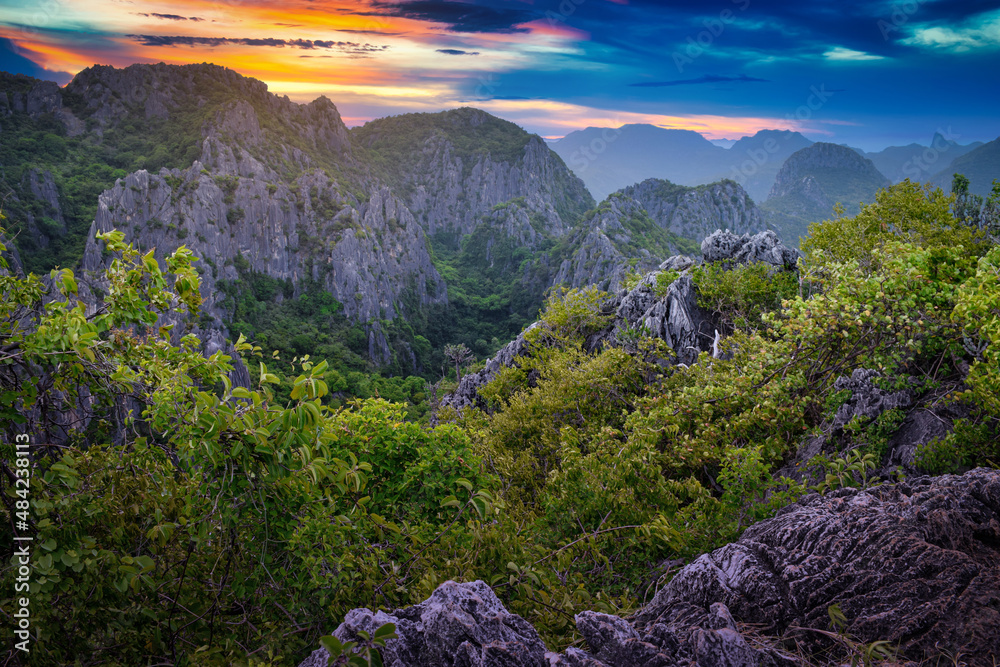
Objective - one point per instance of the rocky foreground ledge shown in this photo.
(915, 563)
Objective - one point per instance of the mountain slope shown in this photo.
(981, 166)
(638, 227)
(813, 181)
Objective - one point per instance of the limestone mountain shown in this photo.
(813, 181)
(695, 212)
(754, 161)
(284, 203)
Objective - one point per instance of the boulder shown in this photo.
(458, 625)
(766, 247)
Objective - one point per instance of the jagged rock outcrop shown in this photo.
(916, 564)
(466, 625)
(695, 212)
(459, 624)
(674, 316)
(766, 247)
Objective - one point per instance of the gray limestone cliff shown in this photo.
(364, 253)
(695, 212)
(453, 167)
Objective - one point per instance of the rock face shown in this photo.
(465, 625)
(619, 237)
(459, 624)
(916, 564)
(364, 253)
(449, 176)
(638, 227)
(695, 212)
(724, 246)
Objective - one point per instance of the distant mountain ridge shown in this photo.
(608, 159)
(917, 162)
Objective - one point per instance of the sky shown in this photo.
(864, 73)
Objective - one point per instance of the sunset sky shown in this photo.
(867, 73)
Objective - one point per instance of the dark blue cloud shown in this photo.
(482, 17)
(171, 17)
(13, 62)
(187, 40)
(457, 52)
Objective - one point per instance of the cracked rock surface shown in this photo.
(916, 563)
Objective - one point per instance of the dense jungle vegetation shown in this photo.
(179, 519)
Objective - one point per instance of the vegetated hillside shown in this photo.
(609, 159)
(981, 166)
(593, 466)
(813, 181)
(915, 161)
